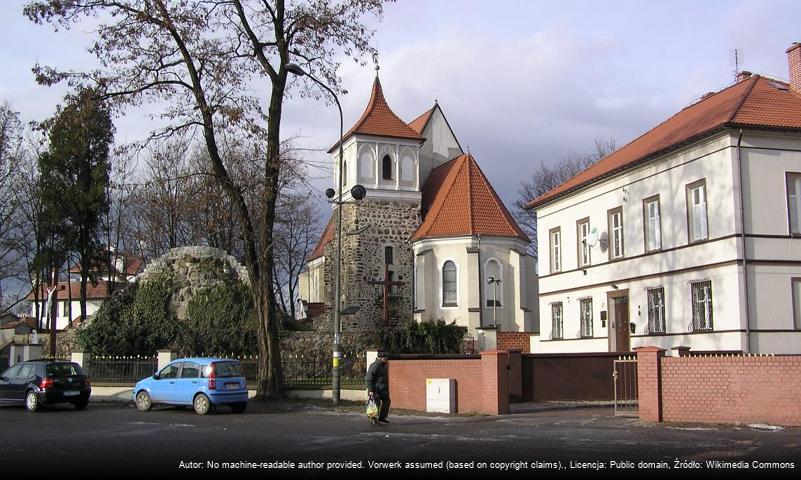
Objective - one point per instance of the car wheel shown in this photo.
(143, 402)
(32, 401)
(81, 404)
(239, 407)
(202, 404)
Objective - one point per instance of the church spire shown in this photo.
(378, 119)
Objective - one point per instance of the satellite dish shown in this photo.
(592, 238)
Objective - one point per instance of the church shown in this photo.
(431, 240)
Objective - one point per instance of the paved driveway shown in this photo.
(286, 436)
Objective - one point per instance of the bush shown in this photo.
(425, 337)
(220, 322)
(134, 321)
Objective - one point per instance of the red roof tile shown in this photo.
(93, 292)
(458, 200)
(757, 102)
(325, 238)
(378, 119)
(419, 123)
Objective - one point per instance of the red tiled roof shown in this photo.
(131, 264)
(419, 123)
(756, 102)
(326, 237)
(29, 321)
(378, 119)
(458, 200)
(93, 292)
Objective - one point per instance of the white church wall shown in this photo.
(435, 253)
(440, 147)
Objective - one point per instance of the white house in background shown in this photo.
(124, 270)
(431, 220)
(690, 235)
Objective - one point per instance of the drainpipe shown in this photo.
(742, 240)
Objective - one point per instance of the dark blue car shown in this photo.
(200, 382)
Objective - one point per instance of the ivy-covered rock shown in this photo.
(134, 321)
(220, 322)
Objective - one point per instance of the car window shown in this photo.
(227, 369)
(170, 371)
(27, 371)
(12, 372)
(190, 370)
(59, 370)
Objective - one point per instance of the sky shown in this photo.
(521, 82)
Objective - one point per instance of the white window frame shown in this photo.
(557, 321)
(585, 317)
(795, 293)
(555, 247)
(701, 306)
(442, 284)
(652, 222)
(697, 216)
(616, 240)
(793, 185)
(656, 311)
(583, 250)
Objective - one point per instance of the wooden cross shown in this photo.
(387, 284)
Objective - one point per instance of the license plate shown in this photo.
(71, 394)
(232, 386)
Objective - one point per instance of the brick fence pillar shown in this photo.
(649, 382)
(495, 382)
(515, 376)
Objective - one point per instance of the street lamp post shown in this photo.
(358, 193)
(494, 282)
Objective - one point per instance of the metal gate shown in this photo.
(624, 376)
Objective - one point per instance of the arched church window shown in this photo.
(493, 284)
(449, 284)
(386, 168)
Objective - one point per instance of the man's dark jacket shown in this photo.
(377, 377)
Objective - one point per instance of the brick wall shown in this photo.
(720, 389)
(794, 64)
(480, 386)
(514, 341)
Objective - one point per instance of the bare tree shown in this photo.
(203, 57)
(12, 266)
(546, 178)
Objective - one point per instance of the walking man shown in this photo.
(377, 379)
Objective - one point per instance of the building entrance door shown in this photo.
(619, 339)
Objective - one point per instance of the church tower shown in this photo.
(381, 153)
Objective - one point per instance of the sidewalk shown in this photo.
(124, 393)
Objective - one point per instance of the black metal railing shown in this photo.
(120, 370)
(311, 371)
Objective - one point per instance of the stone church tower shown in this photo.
(412, 219)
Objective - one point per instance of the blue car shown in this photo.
(200, 382)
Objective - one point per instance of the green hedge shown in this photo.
(424, 337)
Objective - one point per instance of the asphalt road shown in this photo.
(281, 438)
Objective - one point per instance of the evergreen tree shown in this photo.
(75, 175)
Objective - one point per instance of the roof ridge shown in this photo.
(448, 183)
(746, 94)
(663, 122)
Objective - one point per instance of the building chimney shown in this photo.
(744, 75)
(794, 64)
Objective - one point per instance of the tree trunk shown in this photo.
(271, 382)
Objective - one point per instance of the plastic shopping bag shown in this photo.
(372, 409)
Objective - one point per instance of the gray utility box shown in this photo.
(441, 395)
